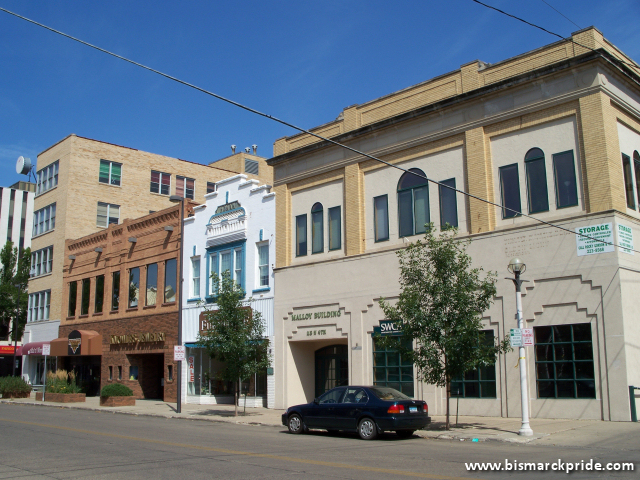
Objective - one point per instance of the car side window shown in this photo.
(332, 396)
(355, 395)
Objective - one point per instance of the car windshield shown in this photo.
(386, 393)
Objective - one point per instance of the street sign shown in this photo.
(179, 353)
(46, 349)
(527, 336)
(515, 336)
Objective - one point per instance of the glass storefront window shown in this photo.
(391, 370)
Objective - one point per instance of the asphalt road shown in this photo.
(45, 442)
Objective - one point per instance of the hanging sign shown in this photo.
(625, 239)
(388, 328)
(599, 234)
(192, 375)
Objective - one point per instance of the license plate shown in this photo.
(413, 409)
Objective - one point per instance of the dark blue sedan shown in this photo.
(367, 410)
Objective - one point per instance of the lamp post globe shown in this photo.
(516, 266)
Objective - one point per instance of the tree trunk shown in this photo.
(235, 397)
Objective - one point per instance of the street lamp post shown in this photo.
(179, 199)
(517, 266)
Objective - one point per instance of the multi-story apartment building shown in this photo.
(553, 133)
(83, 186)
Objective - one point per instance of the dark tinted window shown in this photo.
(448, 204)
(301, 235)
(510, 187)
(565, 176)
(628, 182)
(536, 181)
(332, 396)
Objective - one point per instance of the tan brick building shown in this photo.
(553, 133)
(85, 185)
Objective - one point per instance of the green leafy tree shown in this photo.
(14, 277)
(235, 334)
(440, 309)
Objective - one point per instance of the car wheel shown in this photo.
(295, 424)
(367, 429)
(404, 433)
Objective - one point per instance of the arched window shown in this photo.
(317, 228)
(537, 192)
(413, 203)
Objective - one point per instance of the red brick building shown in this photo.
(120, 306)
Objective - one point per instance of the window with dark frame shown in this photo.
(391, 370)
(317, 228)
(480, 382)
(110, 172)
(120, 372)
(160, 183)
(536, 173)
(86, 292)
(134, 287)
(170, 372)
(413, 203)
(564, 361)
(448, 204)
(73, 298)
(152, 284)
(636, 170)
(99, 300)
(564, 172)
(335, 228)
(381, 218)
(110, 372)
(510, 191)
(211, 187)
(115, 291)
(170, 280)
(301, 235)
(628, 181)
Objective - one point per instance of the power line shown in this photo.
(302, 130)
(554, 8)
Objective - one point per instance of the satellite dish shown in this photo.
(23, 165)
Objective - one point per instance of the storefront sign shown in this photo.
(7, 349)
(625, 239)
(592, 246)
(75, 340)
(192, 361)
(388, 328)
(315, 315)
(138, 338)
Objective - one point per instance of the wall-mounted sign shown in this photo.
(296, 317)
(625, 239)
(388, 328)
(147, 337)
(599, 234)
(6, 349)
(75, 340)
(192, 370)
(228, 207)
(311, 333)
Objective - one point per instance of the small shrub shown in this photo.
(62, 382)
(10, 386)
(116, 390)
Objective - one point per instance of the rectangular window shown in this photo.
(213, 273)
(73, 298)
(391, 370)
(110, 372)
(237, 266)
(170, 372)
(564, 361)
(108, 214)
(152, 283)
(510, 189)
(381, 218)
(263, 265)
(448, 204)
(86, 292)
(38, 305)
(301, 235)
(537, 185)
(44, 220)
(636, 170)
(628, 181)
(421, 208)
(47, 178)
(134, 287)
(480, 382)
(120, 372)
(413, 210)
(41, 261)
(251, 166)
(110, 172)
(185, 187)
(115, 291)
(99, 302)
(195, 277)
(160, 183)
(335, 229)
(317, 231)
(211, 187)
(565, 177)
(170, 280)
(133, 372)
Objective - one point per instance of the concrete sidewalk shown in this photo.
(558, 432)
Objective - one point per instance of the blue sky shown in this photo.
(302, 62)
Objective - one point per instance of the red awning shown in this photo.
(33, 348)
(8, 350)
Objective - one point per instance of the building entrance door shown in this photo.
(332, 368)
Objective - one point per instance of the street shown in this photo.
(43, 442)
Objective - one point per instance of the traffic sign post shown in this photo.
(46, 350)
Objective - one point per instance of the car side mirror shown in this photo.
(315, 400)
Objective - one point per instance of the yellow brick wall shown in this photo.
(283, 225)
(354, 209)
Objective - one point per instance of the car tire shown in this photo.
(367, 429)
(295, 424)
(404, 433)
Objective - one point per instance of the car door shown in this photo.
(349, 409)
(322, 414)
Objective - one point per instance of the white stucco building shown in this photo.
(234, 230)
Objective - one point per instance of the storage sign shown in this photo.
(625, 239)
(599, 234)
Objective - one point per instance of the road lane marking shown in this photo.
(246, 454)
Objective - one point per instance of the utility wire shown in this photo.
(302, 130)
(570, 39)
(554, 8)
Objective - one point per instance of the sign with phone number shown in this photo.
(590, 240)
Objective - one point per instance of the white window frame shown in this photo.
(259, 265)
(195, 292)
(41, 261)
(39, 306)
(184, 186)
(161, 174)
(44, 220)
(109, 208)
(233, 252)
(47, 178)
(111, 164)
